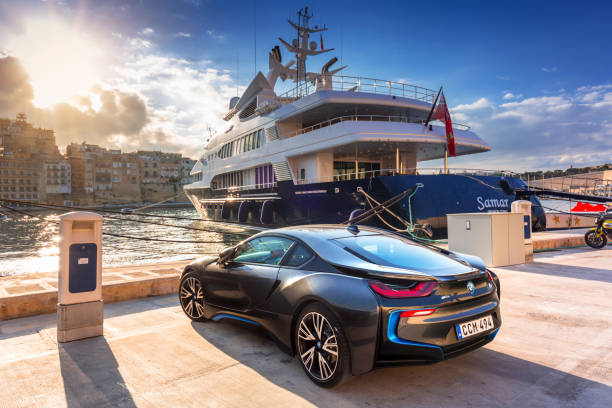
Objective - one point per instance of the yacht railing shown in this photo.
(368, 118)
(380, 173)
(409, 171)
(362, 84)
(261, 186)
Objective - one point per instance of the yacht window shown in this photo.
(303, 174)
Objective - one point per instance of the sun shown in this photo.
(61, 60)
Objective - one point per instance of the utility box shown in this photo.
(80, 310)
(524, 207)
(497, 238)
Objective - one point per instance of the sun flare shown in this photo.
(62, 61)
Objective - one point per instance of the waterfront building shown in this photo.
(20, 179)
(57, 176)
(32, 168)
(30, 162)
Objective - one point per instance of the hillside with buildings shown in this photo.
(33, 169)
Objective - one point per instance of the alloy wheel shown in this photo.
(318, 346)
(192, 297)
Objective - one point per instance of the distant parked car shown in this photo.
(348, 299)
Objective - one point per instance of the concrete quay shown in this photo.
(34, 294)
(558, 239)
(553, 350)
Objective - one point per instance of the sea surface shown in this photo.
(30, 245)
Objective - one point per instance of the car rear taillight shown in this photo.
(415, 313)
(489, 275)
(421, 289)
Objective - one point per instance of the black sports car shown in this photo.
(347, 299)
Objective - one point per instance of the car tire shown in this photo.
(191, 296)
(321, 346)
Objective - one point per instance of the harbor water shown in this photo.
(30, 245)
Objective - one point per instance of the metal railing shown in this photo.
(579, 184)
(367, 118)
(246, 187)
(380, 173)
(362, 84)
(408, 171)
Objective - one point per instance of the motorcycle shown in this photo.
(598, 237)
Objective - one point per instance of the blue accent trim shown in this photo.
(392, 335)
(220, 316)
(492, 335)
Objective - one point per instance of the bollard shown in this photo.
(524, 207)
(80, 310)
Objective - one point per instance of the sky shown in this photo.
(533, 79)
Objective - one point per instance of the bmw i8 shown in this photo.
(348, 299)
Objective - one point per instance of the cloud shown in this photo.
(503, 78)
(118, 112)
(148, 31)
(149, 101)
(543, 132)
(213, 33)
(510, 95)
(16, 92)
(549, 69)
(481, 103)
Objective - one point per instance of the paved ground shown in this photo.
(554, 350)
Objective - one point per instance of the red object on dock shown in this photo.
(587, 207)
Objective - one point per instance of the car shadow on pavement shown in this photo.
(481, 378)
(91, 375)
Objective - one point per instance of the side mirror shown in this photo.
(226, 254)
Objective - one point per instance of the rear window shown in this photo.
(298, 256)
(399, 253)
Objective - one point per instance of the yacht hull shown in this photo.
(333, 202)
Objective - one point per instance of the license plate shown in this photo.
(473, 327)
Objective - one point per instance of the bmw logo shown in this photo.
(471, 287)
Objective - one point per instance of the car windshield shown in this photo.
(398, 252)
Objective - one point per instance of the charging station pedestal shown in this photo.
(80, 310)
(524, 207)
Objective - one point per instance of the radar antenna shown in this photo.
(300, 45)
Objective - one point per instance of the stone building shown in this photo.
(20, 179)
(30, 163)
(32, 168)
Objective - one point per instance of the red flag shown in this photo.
(321, 42)
(443, 115)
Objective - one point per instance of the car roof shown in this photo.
(324, 231)
(318, 237)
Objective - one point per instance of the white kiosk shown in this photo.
(80, 310)
(496, 237)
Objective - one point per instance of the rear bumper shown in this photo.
(433, 338)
